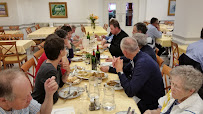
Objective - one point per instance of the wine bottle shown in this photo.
(88, 36)
(98, 55)
(94, 62)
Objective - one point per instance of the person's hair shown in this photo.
(142, 27)
(202, 34)
(191, 78)
(52, 36)
(73, 26)
(141, 39)
(114, 22)
(153, 20)
(52, 46)
(66, 28)
(61, 33)
(129, 44)
(7, 78)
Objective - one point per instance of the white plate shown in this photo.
(63, 92)
(116, 87)
(77, 59)
(86, 78)
(75, 82)
(106, 64)
(104, 56)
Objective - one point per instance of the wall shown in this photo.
(158, 9)
(13, 18)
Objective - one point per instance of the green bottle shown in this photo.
(88, 36)
(98, 55)
(94, 61)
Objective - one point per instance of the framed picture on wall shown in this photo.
(58, 9)
(171, 7)
(3, 10)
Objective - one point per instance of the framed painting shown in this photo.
(171, 7)
(58, 9)
(3, 10)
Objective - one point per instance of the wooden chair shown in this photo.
(38, 54)
(175, 52)
(26, 68)
(37, 26)
(2, 31)
(16, 37)
(105, 27)
(10, 57)
(159, 60)
(83, 28)
(157, 50)
(166, 74)
(28, 30)
(1, 28)
(41, 45)
(146, 23)
(14, 28)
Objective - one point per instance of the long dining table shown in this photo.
(98, 30)
(122, 101)
(41, 33)
(13, 32)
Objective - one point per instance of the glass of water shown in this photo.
(108, 100)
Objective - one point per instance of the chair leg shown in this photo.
(4, 66)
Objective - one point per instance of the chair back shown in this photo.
(157, 50)
(38, 54)
(1, 28)
(105, 26)
(28, 30)
(175, 52)
(2, 31)
(83, 28)
(26, 68)
(159, 60)
(166, 74)
(12, 37)
(41, 45)
(37, 26)
(14, 27)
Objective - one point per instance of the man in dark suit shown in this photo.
(114, 46)
(141, 77)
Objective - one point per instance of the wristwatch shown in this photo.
(120, 73)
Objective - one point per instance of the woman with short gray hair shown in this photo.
(183, 97)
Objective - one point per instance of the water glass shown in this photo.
(108, 100)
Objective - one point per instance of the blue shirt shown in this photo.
(33, 108)
(195, 52)
(153, 32)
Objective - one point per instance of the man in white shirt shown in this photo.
(15, 94)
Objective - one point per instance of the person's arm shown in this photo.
(156, 33)
(156, 111)
(50, 87)
(71, 55)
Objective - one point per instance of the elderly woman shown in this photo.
(183, 97)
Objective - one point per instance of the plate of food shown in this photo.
(76, 68)
(86, 74)
(80, 53)
(73, 80)
(104, 56)
(70, 92)
(115, 83)
(77, 59)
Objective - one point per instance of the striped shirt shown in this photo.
(33, 108)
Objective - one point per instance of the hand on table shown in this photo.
(50, 86)
(103, 42)
(104, 68)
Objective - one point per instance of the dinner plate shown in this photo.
(117, 86)
(75, 82)
(77, 59)
(104, 56)
(63, 93)
(86, 76)
(106, 64)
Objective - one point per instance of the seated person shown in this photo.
(15, 96)
(141, 77)
(74, 37)
(144, 47)
(54, 50)
(183, 97)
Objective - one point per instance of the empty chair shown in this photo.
(166, 75)
(26, 68)
(16, 37)
(9, 56)
(28, 30)
(159, 60)
(175, 52)
(14, 27)
(38, 54)
(37, 26)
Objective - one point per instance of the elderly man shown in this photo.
(141, 77)
(114, 46)
(183, 97)
(55, 50)
(15, 96)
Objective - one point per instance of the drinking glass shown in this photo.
(108, 100)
